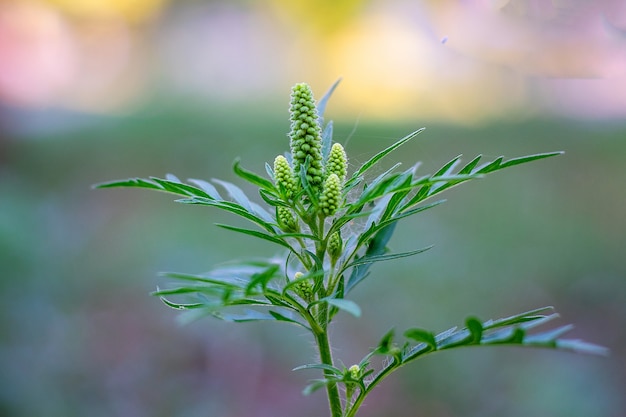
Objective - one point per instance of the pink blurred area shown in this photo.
(448, 60)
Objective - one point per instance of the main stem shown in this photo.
(326, 357)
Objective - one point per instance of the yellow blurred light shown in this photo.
(132, 11)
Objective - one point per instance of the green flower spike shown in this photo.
(286, 221)
(329, 201)
(337, 162)
(335, 247)
(306, 134)
(283, 175)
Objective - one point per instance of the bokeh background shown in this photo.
(95, 90)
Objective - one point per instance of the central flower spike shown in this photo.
(306, 136)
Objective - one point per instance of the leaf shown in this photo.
(321, 366)
(231, 207)
(380, 155)
(475, 328)
(516, 319)
(315, 385)
(378, 258)
(255, 233)
(262, 278)
(376, 246)
(236, 193)
(423, 336)
(281, 317)
(156, 184)
(207, 187)
(327, 140)
(321, 104)
(252, 178)
(343, 304)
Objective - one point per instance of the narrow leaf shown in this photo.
(321, 104)
(373, 160)
(251, 177)
(321, 366)
(255, 233)
(343, 304)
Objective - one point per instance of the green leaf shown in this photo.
(281, 317)
(236, 194)
(423, 336)
(315, 385)
(378, 258)
(342, 304)
(321, 366)
(262, 278)
(208, 188)
(321, 104)
(380, 155)
(156, 184)
(231, 207)
(475, 328)
(255, 233)
(327, 140)
(376, 247)
(252, 177)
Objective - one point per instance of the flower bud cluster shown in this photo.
(304, 288)
(329, 200)
(337, 162)
(335, 246)
(286, 220)
(283, 176)
(306, 135)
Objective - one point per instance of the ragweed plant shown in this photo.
(331, 228)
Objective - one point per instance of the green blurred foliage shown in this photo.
(80, 335)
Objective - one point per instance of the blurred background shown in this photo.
(96, 90)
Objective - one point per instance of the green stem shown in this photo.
(326, 357)
(363, 392)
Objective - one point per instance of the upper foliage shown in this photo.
(331, 226)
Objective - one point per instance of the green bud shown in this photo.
(355, 371)
(285, 219)
(283, 176)
(337, 162)
(335, 246)
(329, 201)
(306, 134)
(303, 288)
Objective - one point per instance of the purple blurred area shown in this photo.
(97, 90)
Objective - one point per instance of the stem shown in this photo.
(363, 392)
(326, 357)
